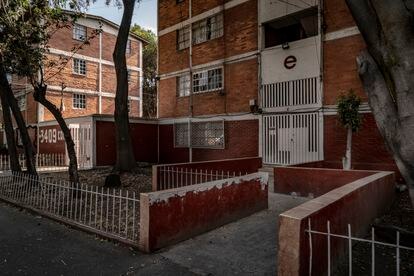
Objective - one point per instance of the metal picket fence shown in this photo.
(113, 213)
(175, 177)
(44, 162)
(349, 239)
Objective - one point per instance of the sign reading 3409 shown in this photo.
(50, 135)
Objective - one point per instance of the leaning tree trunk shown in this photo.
(125, 159)
(40, 96)
(21, 124)
(386, 69)
(8, 128)
(346, 161)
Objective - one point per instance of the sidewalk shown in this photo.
(31, 245)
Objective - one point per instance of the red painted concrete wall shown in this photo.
(238, 165)
(241, 140)
(168, 217)
(144, 141)
(357, 203)
(305, 181)
(51, 140)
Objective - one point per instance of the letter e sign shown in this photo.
(290, 62)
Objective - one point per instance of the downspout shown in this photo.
(321, 64)
(259, 77)
(190, 149)
(100, 74)
(141, 81)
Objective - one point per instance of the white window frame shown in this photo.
(78, 68)
(198, 88)
(183, 37)
(208, 29)
(79, 32)
(78, 101)
(183, 85)
(129, 75)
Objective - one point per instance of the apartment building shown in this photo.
(243, 78)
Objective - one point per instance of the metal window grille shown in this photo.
(183, 38)
(21, 101)
(183, 85)
(208, 80)
(203, 134)
(79, 101)
(181, 135)
(129, 72)
(208, 29)
(128, 49)
(79, 66)
(79, 32)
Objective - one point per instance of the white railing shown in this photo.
(112, 213)
(44, 161)
(175, 177)
(349, 239)
(301, 93)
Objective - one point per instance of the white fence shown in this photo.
(52, 161)
(349, 239)
(174, 177)
(113, 213)
(301, 93)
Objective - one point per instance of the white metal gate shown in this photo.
(82, 136)
(292, 138)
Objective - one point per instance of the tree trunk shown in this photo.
(125, 159)
(386, 70)
(40, 96)
(8, 128)
(21, 124)
(347, 160)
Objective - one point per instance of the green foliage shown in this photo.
(150, 69)
(348, 106)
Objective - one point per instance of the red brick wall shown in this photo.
(241, 140)
(337, 15)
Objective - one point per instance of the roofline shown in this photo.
(107, 21)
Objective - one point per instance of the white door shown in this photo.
(292, 138)
(82, 137)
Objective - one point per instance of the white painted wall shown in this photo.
(272, 9)
(307, 53)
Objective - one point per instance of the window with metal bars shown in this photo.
(203, 134)
(128, 49)
(79, 32)
(183, 38)
(79, 66)
(208, 29)
(79, 101)
(183, 85)
(208, 80)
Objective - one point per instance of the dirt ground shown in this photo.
(400, 215)
(138, 181)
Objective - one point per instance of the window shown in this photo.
(183, 38)
(181, 135)
(79, 101)
(208, 29)
(129, 72)
(79, 66)
(128, 49)
(21, 102)
(203, 134)
(291, 28)
(208, 80)
(183, 85)
(9, 78)
(79, 32)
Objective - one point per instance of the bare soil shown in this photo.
(139, 180)
(400, 215)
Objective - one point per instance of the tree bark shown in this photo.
(347, 160)
(386, 70)
(125, 160)
(8, 128)
(40, 96)
(21, 124)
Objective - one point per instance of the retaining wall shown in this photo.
(315, 181)
(357, 203)
(170, 216)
